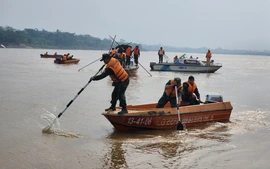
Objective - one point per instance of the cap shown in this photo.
(105, 56)
(178, 81)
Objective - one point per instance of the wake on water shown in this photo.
(53, 126)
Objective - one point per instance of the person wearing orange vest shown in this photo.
(161, 52)
(169, 94)
(136, 54)
(112, 52)
(189, 89)
(128, 54)
(208, 57)
(120, 80)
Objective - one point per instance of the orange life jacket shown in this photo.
(191, 88)
(128, 51)
(112, 51)
(64, 57)
(120, 75)
(161, 51)
(208, 54)
(136, 51)
(171, 91)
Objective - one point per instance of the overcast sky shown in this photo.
(229, 24)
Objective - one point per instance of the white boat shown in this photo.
(185, 64)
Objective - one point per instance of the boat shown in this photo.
(185, 64)
(49, 56)
(69, 61)
(147, 117)
(131, 69)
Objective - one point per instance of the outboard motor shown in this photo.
(213, 98)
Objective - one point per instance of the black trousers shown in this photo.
(119, 94)
(128, 60)
(160, 58)
(191, 99)
(136, 57)
(165, 99)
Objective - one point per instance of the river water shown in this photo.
(32, 86)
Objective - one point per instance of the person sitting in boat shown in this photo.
(55, 53)
(190, 92)
(169, 94)
(120, 80)
(64, 57)
(46, 53)
(186, 62)
(191, 57)
(175, 58)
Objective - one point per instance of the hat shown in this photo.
(105, 56)
(178, 81)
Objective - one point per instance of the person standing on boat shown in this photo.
(120, 82)
(161, 53)
(169, 94)
(189, 89)
(136, 54)
(128, 55)
(208, 57)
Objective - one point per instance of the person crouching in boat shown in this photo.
(189, 89)
(120, 82)
(169, 94)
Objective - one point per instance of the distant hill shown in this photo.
(34, 38)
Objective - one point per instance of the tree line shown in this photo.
(35, 38)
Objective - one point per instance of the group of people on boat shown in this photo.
(187, 92)
(64, 57)
(124, 54)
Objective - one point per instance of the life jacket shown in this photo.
(136, 51)
(112, 51)
(191, 88)
(171, 91)
(64, 57)
(120, 75)
(208, 54)
(128, 51)
(161, 52)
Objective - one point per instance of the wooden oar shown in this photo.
(71, 101)
(179, 125)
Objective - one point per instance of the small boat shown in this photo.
(49, 56)
(146, 116)
(185, 64)
(70, 61)
(131, 69)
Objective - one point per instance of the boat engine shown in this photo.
(213, 98)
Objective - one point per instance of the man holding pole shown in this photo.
(120, 82)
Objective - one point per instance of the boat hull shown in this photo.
(71, 61)
(183, 67)
(132, 70)
(50, 56)
(146, 117)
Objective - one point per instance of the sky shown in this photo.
(228, 24)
